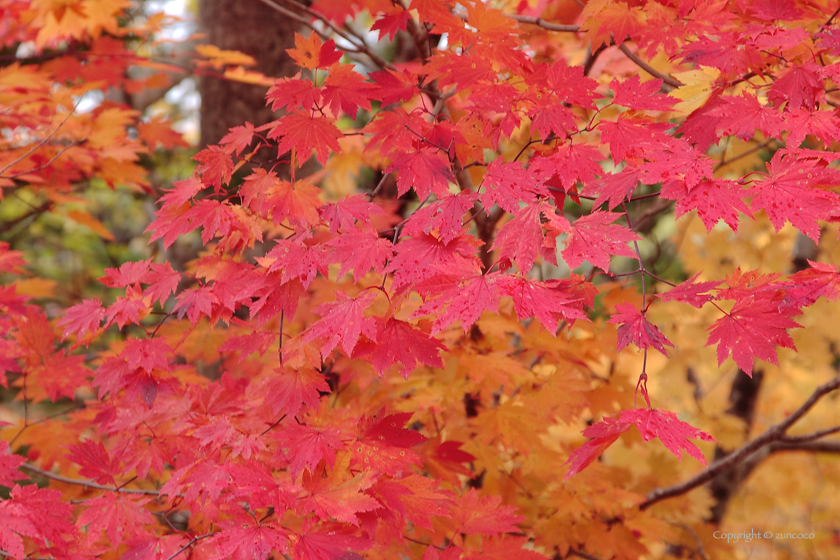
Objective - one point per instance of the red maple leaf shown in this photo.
(296, 259)
(632, 134)
(257, 341)
(288, 391)
(651, 423)
(171, 222)
(162, 281)
(384, 444)
(342, 322)
(634, 94)
(311, 53)
(346, 90)
(741, 115)
(127, 309)
(9, 464)
(182, 191)
(593, 239)
(549, 301)
(634, 327)
(119, 515)
(506, 184)
(304, 133)
(400, 341)
(246, 538)
(614, 188)
(215, 166)
(204, 478)
(238, 138)
(195, 303)
(423, 257)
(800, 86)
(344, 213)
(392, 86)
(465, 298)
(335, 499)
(426, 171)
(10, 261)
(129, 273)
(714, 200)
(392, 21)
(293, 92)
(801, 122)
(519, 240)
(306, 446)
(791, 192)
(38, 513)
(152, 547)
(445, 216)
(360, 249)
(330, 541)
(82, 318)
(691, 292)
(95, 462)
(483, 515)
(806, 286)
(752, 329)
(570, 163)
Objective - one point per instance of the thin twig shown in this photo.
(6, 226)
(545, 25)
(39, 168)
(744, 154)
(774, 434)
(810, 437)
(359, 46)
(189, 544)
(86, 483)
(674, 83)
(43, 141)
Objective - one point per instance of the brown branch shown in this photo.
(811, 437)
(812, 446)
(744, 154)
(545, 25)
(6, 226)
(42, 142)
(85, 483)
(39, 168)
(773, 435)
(674, 83)
(360, 46)
(189, 544)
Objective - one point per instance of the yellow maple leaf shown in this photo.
(217, 58)
(697, 89)
(86, 219)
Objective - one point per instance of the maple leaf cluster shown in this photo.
(370, 370)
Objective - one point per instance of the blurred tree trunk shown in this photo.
(253, 28)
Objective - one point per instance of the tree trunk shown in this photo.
(255, 29)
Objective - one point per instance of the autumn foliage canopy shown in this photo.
(443, 305)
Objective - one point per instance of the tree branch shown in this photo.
(42, 142)
(85, 483)
(674, 83)
(812, 446)
(546, 25)
(775, 434)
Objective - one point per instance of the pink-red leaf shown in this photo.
(594, 239)
(634, 327)
(752, 329)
